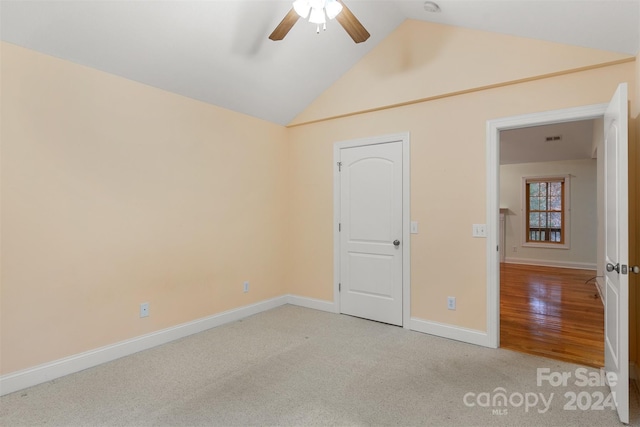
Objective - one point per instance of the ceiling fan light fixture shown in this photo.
(333, 8)
(317, 16)
(302, 8)
(318, 11)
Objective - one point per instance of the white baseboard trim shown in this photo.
(457, 333)
(46, 372)
(58, 368)
(313, 303)
(552, 263)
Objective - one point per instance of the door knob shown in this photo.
(396, 243)
(635, 269)
(611, 267)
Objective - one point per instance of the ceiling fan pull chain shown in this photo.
(324, 27)
(318, 29)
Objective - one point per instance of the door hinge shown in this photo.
(339, 166)
(497, 248)
(339, 287)
(339, 227)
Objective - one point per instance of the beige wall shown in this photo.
(115, 193)
(422, 60)
(583, 212)
(448, 187)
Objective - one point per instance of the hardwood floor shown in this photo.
(552, 312)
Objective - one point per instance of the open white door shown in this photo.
(616, 222)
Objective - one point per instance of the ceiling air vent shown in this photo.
(553, 138)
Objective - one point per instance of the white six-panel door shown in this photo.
(371, 233)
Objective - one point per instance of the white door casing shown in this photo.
(371, 212)
(616, 224)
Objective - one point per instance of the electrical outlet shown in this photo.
(144, 309)
(245, 287)
(451, 303)
(515, 249)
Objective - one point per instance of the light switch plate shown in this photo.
(479, 230)
(414, 227)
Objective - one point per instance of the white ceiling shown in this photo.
(529, 145)
(218, 51)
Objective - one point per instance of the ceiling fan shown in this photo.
(317, 11)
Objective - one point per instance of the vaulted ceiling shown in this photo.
(218, 51)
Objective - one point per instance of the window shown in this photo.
(546, 213)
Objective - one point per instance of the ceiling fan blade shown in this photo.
(351, 24)
(285, 25)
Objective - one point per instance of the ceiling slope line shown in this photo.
(467, 91)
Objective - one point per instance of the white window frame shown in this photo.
(567, 212)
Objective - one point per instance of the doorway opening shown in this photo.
(550, 185)
(494, 237)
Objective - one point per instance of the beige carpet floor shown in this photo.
(302, 367)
